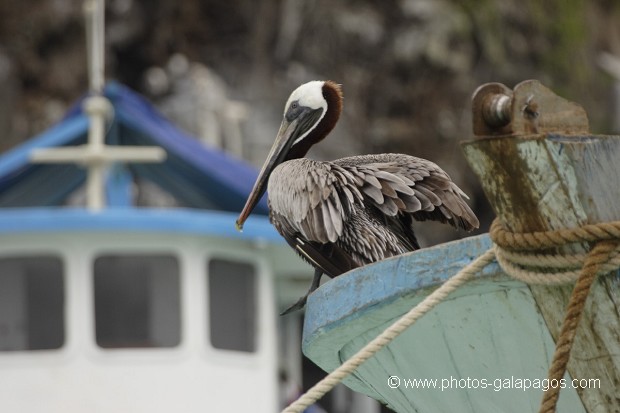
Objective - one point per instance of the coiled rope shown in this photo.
(516, 254)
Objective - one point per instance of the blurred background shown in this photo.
(223, 70)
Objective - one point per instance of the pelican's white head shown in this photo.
(309, 95)
(310, 114)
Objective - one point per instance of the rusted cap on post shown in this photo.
(530, 108)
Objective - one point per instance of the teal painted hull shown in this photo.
(485, 349)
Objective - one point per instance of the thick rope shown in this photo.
(512, 253)
(594, 261)
(568, 266)
(515, 252)
(389, 334)
(550, 239)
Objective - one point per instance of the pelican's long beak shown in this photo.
(284, 140)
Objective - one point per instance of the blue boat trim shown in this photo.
(66, 132)
(196, 175)
(352, 294)
(174, 220)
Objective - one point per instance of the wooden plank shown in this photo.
(550, 181)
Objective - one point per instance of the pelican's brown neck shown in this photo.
(332, 92)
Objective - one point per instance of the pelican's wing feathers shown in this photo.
(397, 183)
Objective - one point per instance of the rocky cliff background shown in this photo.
(224, 69)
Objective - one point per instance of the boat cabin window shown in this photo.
(232, 305)
(32, 303)
(137, 301)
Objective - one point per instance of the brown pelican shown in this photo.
(343, 214)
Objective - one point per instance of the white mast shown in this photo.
(95, 155)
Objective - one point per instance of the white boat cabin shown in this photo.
(154, 303)
(140, 320)
(151, 302)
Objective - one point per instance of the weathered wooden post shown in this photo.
(542, 169)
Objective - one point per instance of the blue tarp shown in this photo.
(197, 176)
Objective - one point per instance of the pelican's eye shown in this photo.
(293, 111)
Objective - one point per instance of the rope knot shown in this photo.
(520, 256)
(516, 254)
